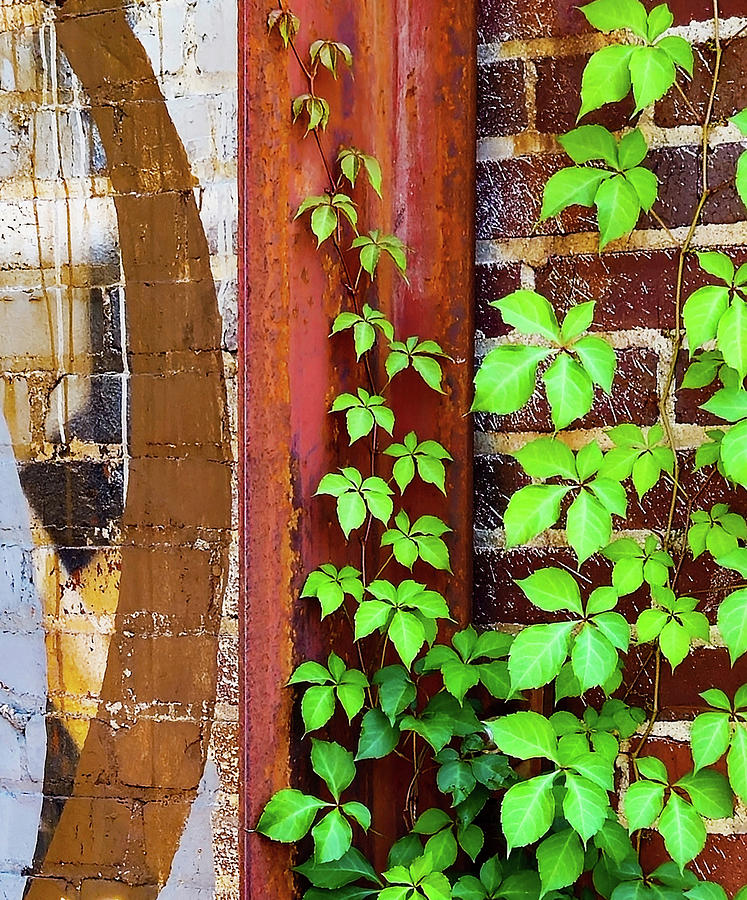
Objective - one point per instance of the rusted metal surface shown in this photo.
(412, 105)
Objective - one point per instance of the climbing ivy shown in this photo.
(531, 805)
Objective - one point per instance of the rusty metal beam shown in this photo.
(412, 104)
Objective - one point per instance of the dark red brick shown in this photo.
(634, 289)
(491, 283)
(498, 600)
(677, 169)
(724, 207)
(559, 97)
(497, 477)
(505, 20)
(686, 11)
(633, 399)
(501, 98)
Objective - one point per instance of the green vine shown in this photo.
(576, 789)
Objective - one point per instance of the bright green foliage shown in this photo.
(507, 376)
(650, 70)
(330, 586)
(327, 213)
(335, 682)
(362, 412)
(357, 497)
(472, 659)
(641, 458)
(420, 540)
(536, 507)
(674, 623)
(405, 613)
(409, 692)
(607, 174)
(373, 244)
(364, 327)
(740, 120)
(420, 356)
(635, 564)
(426, 457)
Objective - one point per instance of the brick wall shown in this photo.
(118, 637)
(531, 57)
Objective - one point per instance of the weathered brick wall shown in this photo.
(118, 617)
(531, 59)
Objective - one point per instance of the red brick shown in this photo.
(497, 477)
(724, 206)
(501, 98)
(505, 20)
(634, 289)
(498, 600)
(678, 171)
(633, 399)
(686, 11)
(559, 97)
(491, 283)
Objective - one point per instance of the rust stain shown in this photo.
(137, 776)
(412, 104)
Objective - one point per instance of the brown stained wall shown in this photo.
(118, 731)
(531, 59)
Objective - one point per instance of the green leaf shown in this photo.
(574, 186)
(317, 707)
(589, 525)
(546, 457)
(609, 15)
(456, 777)
(599, 360)
(682, 829)
(716, 263)
(728, 403)
(618, 208)
(430, 371)
(593, 657)
(531, 510)
(459, 678)
(569, 390)
(606, 78)
(529, 313)
(289, 815)
(652, 73)
(679, 51)
(633, 149)
(407, 633)
(332, 837)
(560, 859)
(590, 142)
(659, 20)
(396, 690)
(734, 453)
(732, 336)
(527, 810)
(615, 628)
(351, 866)
(351, 511)
(359, 812)
(537, 654)
(506, 378)
(702, 313)
(732, 623)
(741, 177)
(652, 768)
(552, 589)
(643, 804)
(645, 184)
(736, 762)
(585, 805)
(525, 735)
(611, 494)
(577, 320)
(378, 737)
(674, 641)
(709, 792)
(334, 764)
(323, 222)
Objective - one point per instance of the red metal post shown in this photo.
(412, 104)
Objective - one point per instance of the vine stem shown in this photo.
(666, 393)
